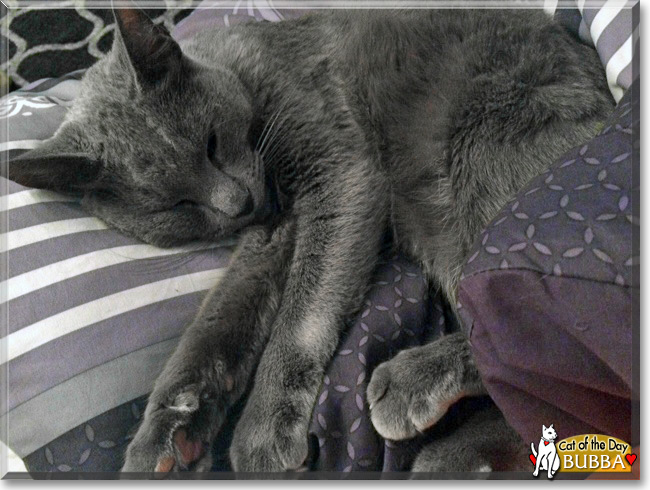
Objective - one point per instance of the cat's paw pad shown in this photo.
(406, 396)
(185, 453)
(178, 454)
(177, 435)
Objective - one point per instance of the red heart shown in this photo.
(546, 443)
(631, 458)
(533, 458)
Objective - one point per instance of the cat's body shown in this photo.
(340, 126)
(422, 89)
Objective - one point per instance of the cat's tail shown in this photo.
(532, 448)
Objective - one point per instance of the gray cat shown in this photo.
(322, 133)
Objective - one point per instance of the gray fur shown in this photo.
(347, 124)
(483, 443)
(211, 368)
(402, 399)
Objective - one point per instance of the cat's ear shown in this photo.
(151, 51)
(54, 167)
(543, 427)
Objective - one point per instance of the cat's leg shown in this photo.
(482, 443)
(336, 252)
(556, 463)
(552, 461)
(215, 358)
(412, 391)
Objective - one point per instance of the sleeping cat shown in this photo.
(422, 123)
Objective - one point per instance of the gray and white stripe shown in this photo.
(610, 26)
(81, 297)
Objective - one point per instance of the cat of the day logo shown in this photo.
(589, 453)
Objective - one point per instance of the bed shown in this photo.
(93, 314)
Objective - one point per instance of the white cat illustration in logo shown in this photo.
(546, 458)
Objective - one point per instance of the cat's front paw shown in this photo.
(260, 245)
(177, 431)
(412, 391)
(270, 440)
(399, 409)
(269, 453)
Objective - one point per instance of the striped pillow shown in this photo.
(612, 26)
(92, 314)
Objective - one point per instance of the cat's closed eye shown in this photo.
(211, 147)
(185, 203)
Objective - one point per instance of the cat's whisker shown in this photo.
(270, 123)
(288, 96)
(265, 130)
(268, 141)
(270, 130)
(270, 158)
(273, 141)
(281, 133)
(275, 151)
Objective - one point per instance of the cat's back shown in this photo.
(408, 72)
(407, 53)
(502, 94)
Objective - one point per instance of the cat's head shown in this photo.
(549, 433)
(156, 144)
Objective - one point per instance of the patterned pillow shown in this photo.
(45, 43)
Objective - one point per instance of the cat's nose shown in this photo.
(230, 197)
